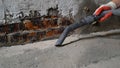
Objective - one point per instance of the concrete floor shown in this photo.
(98, 52)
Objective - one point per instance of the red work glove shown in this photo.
(108, 6)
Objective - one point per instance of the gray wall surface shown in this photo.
(65, 5)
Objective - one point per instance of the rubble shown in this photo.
(34, 27)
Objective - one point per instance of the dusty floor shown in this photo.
(98, 52)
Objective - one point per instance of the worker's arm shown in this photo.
(117, 2)
(114, 4)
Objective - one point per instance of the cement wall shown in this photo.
(75, 6)
(64, 6)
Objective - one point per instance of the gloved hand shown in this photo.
(108, 6)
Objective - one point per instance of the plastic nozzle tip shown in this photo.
(58, 45)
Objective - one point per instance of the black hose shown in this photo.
(84, 21)
(72, 27)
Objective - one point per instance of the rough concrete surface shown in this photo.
(98, 52)
(64, 5)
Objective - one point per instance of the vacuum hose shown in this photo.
(84, 21)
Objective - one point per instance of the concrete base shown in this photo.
(98, 52)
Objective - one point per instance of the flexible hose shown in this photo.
(84, 21)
